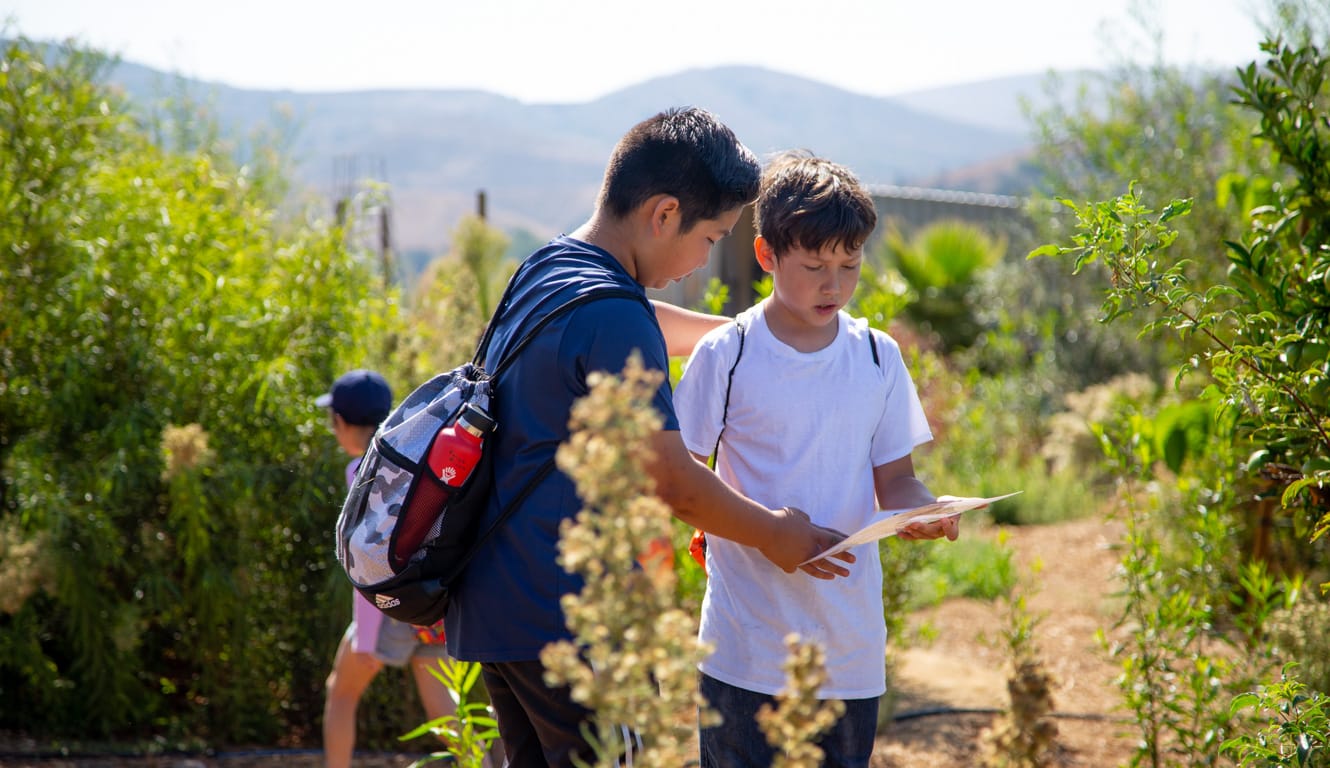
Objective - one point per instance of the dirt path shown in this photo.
(966, 666)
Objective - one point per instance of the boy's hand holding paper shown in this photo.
(892, 522)
(927, 530)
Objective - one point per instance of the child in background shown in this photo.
(819, 412)
(357, 403)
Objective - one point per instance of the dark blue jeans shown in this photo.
(541, 727)
(739, 743)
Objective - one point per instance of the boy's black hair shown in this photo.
(810, 202)
(684, 152)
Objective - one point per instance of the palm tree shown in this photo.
(942, 263)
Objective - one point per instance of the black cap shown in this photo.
(473, 415)
(360, 397)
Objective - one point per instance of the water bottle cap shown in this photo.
(475, 417)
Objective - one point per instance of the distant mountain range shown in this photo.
(540, 164)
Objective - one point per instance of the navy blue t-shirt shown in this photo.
(506, 606)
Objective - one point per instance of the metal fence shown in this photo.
(906, 208)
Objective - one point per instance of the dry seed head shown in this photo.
(799, 717)
(634, 658)
(184, 449)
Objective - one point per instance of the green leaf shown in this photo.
(1175, 209)
(472, 673)
(1238, 253)
(1175, 449)
(417, 732)
(1296, 487)
(1316, 465)
(1242, 702)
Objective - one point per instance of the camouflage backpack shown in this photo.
(395, 486)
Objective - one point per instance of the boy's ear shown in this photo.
(663, 209)
(766, 255)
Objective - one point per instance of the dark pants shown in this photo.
(541, 727)
(738, 742)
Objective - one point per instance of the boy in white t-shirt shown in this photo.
(804, 405)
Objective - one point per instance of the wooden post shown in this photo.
(480, 204)
(385, 246)
(1265, 523)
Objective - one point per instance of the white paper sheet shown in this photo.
(889, 522)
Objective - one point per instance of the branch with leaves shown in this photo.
(1268, 322)
(1254, 359)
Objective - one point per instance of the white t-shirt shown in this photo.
(803, 430)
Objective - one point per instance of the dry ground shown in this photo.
(963, 668)
(966, 666)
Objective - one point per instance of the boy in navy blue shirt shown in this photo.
(675, 185)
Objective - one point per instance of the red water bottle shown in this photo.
(452, 456)
(456, 448)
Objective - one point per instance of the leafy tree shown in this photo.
(1265, 332)
(162, 334)
(454, 299)
(1175, 132)
(481, 249)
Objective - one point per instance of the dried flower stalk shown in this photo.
(799, 717)
(635, 654)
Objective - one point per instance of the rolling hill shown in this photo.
(540, 164)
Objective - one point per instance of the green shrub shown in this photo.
(971, 566)
(1190, 589)
(1298, 730)
(162, 335)
(941, 264)
(988, 429)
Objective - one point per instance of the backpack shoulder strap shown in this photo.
(508, 510)
(551, 316)
(548, 466)
(872, 346)
(741, 329)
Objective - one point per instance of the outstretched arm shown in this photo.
(683, 327)
(699, 498)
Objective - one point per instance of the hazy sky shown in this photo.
(576, 50)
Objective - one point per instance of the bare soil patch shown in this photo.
(966, 667)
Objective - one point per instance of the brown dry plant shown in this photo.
(1024, 736)
(24, 566)
(184, 449)
(635, 654)
(799, 718)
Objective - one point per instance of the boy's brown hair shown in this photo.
(810, 202)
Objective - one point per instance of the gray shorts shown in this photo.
(395, 643)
